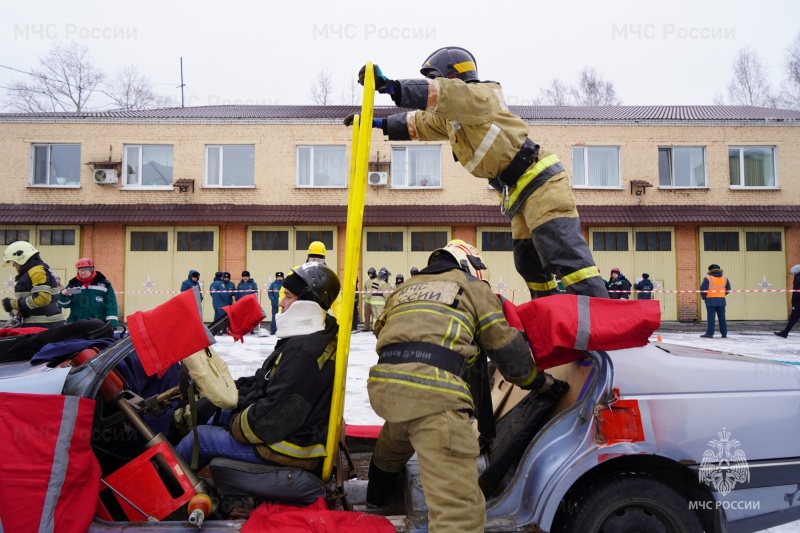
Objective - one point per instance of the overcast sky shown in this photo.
(676, 52)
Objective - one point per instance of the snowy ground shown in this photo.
(244, 358)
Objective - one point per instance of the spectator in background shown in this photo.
(274, 297)
(229, 288)
(619, 288)
(414, 271)
(372, 275)
(645, 288)
(795, 314)
(355, 310)
(713, 290)
(246, 286)
(399, 280)
(191, 282)
(218, 298)
(89, 295)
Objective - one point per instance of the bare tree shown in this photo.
(131, 90)
(556, 93)
(749, 85)
(790, 96)
(64, 81)
(352, 94)
(322, 88)
(592, 90)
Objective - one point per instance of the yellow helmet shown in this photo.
(467, 257)
(19, 252)
(317, 249)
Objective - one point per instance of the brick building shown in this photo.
(150, 195)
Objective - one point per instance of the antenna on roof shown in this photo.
(182, 85)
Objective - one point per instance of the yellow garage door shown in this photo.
(398, 248)
(158, 260)
(495, 246)
(752, 259)
(59, 247)
(273, 249)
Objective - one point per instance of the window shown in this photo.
(147, 166)
(763, 241)
(195, 241)
(7, 236)
(752, 166)
(321, 166)
(653, 241)
(428, 241)
(304, 238)
(596, 166)
(148, 241)
(271, 240)
(384, 241)
(682, 166)
(56, 237)
(56, 165)
(721, 241)
(230, 166)
(496, 241)
(610, 241)
(416, 166)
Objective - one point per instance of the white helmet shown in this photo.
(19, 252)
(467, 257)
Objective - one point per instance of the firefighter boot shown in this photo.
(380, 485)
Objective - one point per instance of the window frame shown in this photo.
(313, 148)
(742, 177)
(222, 184)
(32, 167)
(138, 185)
(401, 182)
(672, 185)
(605, 247)
(729, 238)
(585, 155)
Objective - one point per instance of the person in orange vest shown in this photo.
(713, 290)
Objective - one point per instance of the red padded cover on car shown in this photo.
(561, 326)
(316, 518)
(50, 476)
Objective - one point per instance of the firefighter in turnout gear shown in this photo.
(35, 291)
(282, 412)
(380, 289)
(437, 322)
(492, 143)
(372, 275)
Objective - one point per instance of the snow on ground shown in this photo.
(245, 358)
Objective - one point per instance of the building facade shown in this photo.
(149, 195)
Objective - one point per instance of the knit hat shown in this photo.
(246, 273)
(713, 266)
(615, 269)
(295, 284)
(646, 275)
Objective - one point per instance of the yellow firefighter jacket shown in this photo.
(484, 135)
(452, 310)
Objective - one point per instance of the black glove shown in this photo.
(382, 84)
(376, 122)
(543, 382)
(8, 305)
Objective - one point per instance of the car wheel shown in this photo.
(630, 504)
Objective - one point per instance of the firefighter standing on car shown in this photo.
(491, 142)
(89, 295)
(35, 289)
(444, 317)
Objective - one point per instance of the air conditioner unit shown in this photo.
(105, 176)
(378, 179)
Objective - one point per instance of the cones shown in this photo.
(659, 339)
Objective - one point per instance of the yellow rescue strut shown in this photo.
(359, 158)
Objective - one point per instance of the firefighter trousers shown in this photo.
(547, 239)
(447, 451)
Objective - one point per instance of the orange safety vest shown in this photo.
(716, 286)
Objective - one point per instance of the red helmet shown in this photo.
(84, 262)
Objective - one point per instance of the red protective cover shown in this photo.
(244, 315)
(551, 325)
(16, 332)
(50, 476)
(316, 518)
(362, 432)
(172, 331)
